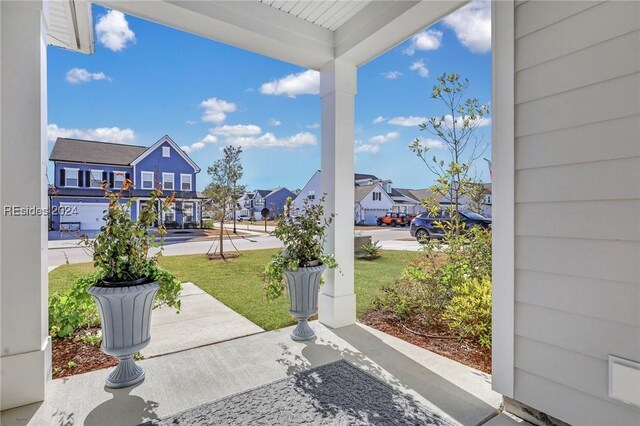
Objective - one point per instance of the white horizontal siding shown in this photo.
(586, 143)
(567, 403)
(585, 335)
(596, 298)
(594, 25)
(607, 100)
(599, 259)
(579, 69)
(601, 180)
(535, 15)
(609, 220)
(577, 212)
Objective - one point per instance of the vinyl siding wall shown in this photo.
(577, 212)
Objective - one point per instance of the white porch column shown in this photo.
(337, 302)
(25, 345)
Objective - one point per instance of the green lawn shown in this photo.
(237, 283)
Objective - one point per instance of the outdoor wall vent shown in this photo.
(624, 380)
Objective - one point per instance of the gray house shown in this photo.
(251, 203)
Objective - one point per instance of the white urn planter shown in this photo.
(303, 285)
(125, 315)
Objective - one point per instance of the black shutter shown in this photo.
(80, 178)
(87, 177)
(127, 176)
(111, 180)
(61, 177)
(104, 176)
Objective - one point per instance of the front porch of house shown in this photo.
(186, 379)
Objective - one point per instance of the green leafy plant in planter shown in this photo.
(129, 282)
(300, 263)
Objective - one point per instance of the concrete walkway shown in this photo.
(186, 379)
(203, 320)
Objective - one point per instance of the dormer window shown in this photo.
(166, 151)
(71, 177)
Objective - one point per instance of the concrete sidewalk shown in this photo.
(203, 320)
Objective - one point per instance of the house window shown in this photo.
(147, 180)
(166, 151)
(185, 182)
(169, 214)
(167, 181)
(95, 178)
(377, 196)
(118, 179)
(71, 177)
(312, 195)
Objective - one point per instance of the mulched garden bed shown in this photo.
(71, 355)
(465, 351)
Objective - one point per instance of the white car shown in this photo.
(243, 216)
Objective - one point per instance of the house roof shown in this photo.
(84, 151)
(360, 176)
(167, 139)
(263, 192)
(363, 190)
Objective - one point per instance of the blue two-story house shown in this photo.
(77, 200)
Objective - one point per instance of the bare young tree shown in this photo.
(456, 130)
(224, 189)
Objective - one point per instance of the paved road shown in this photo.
(61, 252)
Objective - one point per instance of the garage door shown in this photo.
(370, 215)
(90, 215)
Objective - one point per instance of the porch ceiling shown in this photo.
(327, 14)
(70, 25)
(305, 33)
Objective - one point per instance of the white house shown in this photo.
(371, 202)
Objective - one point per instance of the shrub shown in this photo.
(372, 250)
(73, 308)
(469, 311)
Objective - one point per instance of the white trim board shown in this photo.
(503, 193)
(162, 140)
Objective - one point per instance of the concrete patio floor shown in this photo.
(182, 380)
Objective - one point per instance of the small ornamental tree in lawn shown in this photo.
(224, 189)
(456, 130)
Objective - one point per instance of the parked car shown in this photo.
(394, 219)
(242, 217)
(423, 226)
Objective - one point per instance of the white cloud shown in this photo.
(478, 122)
(366, 148)
(81, 75)
(113, 31)
(210, 139)
(420, 67)
(193, 147)
(236, 130)
(102, 134)
(303, 83)
(407, 121)
(269, 140)
(215, 110)
(379, 119)
(313, 126)
(379, 139)
(274, 122)
(472, 25)
(424, 40)
(191, 122)
(391, 75)
(432, 143)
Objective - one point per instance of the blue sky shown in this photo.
(147, 80)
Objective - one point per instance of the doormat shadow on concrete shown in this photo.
(333, 394)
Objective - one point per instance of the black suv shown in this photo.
(423, 226)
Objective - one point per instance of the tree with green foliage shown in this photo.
(224, 189)
(456, 129)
